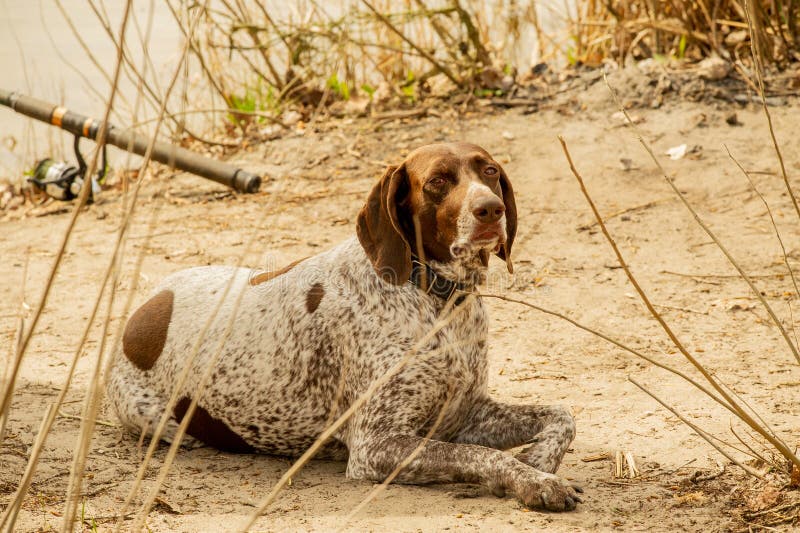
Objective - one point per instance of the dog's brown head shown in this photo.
(452, 199)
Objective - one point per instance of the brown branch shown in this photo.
(616, 343)
(758, 67)
(705, 227)
(741, 413)
(706, 436)
(448, 314)
(771, 218)
(444, 70)
(402, 464)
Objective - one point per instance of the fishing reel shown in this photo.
(64, 182)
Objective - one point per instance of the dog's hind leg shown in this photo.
(140, 409)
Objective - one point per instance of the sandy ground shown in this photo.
(319, 181)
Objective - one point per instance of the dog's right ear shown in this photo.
(379, 229)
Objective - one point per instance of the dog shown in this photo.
(295, 347)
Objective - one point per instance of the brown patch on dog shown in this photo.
(314, 297)
(266, 276)
(146, 331)
(209, 430)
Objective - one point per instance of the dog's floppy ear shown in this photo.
(511, 220)
(380, 231)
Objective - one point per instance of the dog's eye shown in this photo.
(490, 171)
(437, 181)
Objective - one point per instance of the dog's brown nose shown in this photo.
(488, 209)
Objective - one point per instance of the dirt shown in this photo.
(317, 182)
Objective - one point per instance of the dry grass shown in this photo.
(313, 54)
(684, 29)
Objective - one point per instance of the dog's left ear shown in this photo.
(511, 220)
(380, 229)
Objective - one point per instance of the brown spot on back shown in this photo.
(314, 297)
(266, 276)
(210, 430)
(146, 331)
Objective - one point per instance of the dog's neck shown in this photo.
(468, 270)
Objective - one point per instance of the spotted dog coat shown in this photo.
(307, 340)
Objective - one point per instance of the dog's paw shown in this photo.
(547, 492)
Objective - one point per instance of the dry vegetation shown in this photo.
(276, 70)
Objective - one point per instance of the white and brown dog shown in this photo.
(309, 339)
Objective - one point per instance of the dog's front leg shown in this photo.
(376, 457)
(549, 429)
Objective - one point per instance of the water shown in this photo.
(40, 56)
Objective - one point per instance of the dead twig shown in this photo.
(758, 67)
(9, 517)
(14, 359)
(402, 464)
(705, 436)
(448, 314)
(444, 70)
(705, 228)
(699, 477)
(777, 233)
(739, 411)
(617, 343)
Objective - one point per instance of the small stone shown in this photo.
(507, 135)
(736, 37)
(539, 69)
(713, 68)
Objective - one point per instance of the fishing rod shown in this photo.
(66, 180)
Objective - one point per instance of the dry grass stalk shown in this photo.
(169, 407)
(48, 422)
(633, 470)
(89, 414)
(772, 221)
(618, 344)
(740, 412)
(447, 316)
(10, 517)
(440, 67)
(622, 29)
(95, 392)
(76, 210)
(179, 383)
(704, 435)
(756, 45)
(402, 464)
(154, 442)
(711, 234)
(14, 358)
(139, 521)
(181, 380)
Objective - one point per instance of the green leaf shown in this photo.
(369, 89)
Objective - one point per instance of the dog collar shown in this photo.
(424, 277)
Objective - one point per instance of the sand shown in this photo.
(318, 182)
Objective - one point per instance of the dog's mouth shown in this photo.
(489, 237)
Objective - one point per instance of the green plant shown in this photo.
(339, 88)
